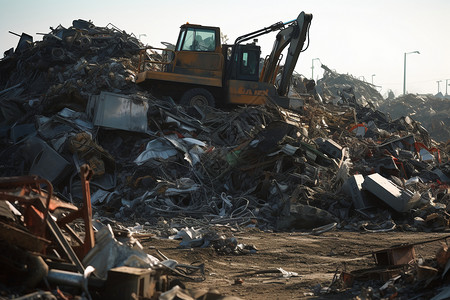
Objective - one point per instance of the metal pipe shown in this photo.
(14, 33)
(65, 278)
(74, 279)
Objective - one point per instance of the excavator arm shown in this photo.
(295, 35)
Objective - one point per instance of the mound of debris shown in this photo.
(336, 87)
(66, 67)
(152, 158)
(431, 111)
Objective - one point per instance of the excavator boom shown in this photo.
(295, 35)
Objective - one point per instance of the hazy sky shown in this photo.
(357, 37)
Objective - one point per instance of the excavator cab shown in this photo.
(245, 65)
(198, 53)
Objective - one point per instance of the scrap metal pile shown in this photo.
(69, 101)
(346, 88)
(432, 112)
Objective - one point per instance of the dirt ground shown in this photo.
(314, 258)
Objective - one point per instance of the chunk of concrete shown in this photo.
(399, 199)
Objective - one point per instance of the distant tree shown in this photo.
(223, 38)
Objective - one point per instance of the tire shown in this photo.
(197, 96)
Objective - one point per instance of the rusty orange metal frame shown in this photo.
(27, 191)
(143, 61)
(20, 189)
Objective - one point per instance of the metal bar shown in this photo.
(89, 239)
(57, 233)
(73, 234)
(14, 33)
(143, 61)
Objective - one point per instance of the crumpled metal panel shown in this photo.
(118, 111)
(46, 162)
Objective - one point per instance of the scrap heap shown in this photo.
(341, 87)
(69, 102)
(432, 112)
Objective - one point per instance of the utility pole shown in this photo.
(438, 82)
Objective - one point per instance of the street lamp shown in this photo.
(404, 70)
(439, 85)
(372, 77)
(312, 67)
(446, 86)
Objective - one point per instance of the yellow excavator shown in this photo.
(202, 71)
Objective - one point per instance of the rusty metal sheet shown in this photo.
(22, 239)
(395, 256)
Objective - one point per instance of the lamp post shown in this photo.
(446, 86)
(312, 67)
(439, 85)
(372, 77)
(404, 70)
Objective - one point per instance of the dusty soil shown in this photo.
(314, 258)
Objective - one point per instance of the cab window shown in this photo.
(198, 40)
(180, 39)
(249, 63)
